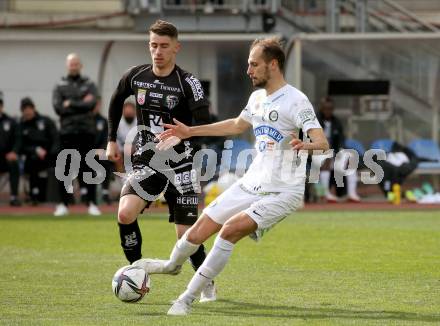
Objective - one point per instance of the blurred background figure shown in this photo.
(38, 139)
(8, 152)
(128, 121)
(101, 125)
(335, 135)
(401, 161)
(74, 99)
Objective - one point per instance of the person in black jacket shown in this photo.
(8, 152)
(163, 91)
(39, 145)
(334, 132)
(74, 99)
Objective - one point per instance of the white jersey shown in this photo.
(274, 119)
(123, 130)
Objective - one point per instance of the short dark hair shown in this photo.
(26, 102)
(272, 50)
(164, 28)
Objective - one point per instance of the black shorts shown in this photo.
(182, 205)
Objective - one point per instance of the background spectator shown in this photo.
(74, 99)
(8, 152)
(39, 145)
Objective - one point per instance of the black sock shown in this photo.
(131, 241)
(198, 257)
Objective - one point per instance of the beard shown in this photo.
(262, 82)
(129, 119)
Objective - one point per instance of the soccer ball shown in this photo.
(130, 283)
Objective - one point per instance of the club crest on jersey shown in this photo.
(141, 96)
(40, 125)
(171, 101)
(100, 125)
(6, 126)
(273, 115)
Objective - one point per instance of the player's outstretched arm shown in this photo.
(181, 131)
(222, 128)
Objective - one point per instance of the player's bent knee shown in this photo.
(236, 229)
(230, 232)
(125, 216)
(193, 236)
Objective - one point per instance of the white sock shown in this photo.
(211, 267)
(324, 179)
(181, 252)
(351, 184)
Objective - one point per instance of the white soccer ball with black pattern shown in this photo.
(130, 283)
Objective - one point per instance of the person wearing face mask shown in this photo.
(74, 99)
(38, 138)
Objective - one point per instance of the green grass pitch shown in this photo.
(338, 268)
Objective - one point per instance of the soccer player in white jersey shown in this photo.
(265, 194)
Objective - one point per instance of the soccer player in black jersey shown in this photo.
(163, 91)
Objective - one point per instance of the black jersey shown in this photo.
(158, 100)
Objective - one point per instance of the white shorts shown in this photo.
(265, 209)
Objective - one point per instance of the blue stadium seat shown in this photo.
(356, 145)
(426, 148)
(384, 144)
